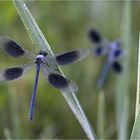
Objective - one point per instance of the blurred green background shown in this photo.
(65, 24)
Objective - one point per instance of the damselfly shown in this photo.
(112, 50)
(44, 61)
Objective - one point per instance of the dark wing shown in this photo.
(13, 73)
(13, 49)
(51, 73)
(95, 36)
(117, 67)
(100, 44)
(72, 57)
(117, 53)
(62, 83)
(99, 50)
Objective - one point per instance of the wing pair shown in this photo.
(103, 47)
(100, 43)
(11, 48)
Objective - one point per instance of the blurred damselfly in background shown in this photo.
(111, 50)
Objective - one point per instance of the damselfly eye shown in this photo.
(43, 53)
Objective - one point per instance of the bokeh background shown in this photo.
(65, 24)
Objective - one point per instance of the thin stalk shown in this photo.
(41, 43)
(7, 134)
(101, 115)
(13, 104)
(136, 127)
(138, 84)
(122, 89)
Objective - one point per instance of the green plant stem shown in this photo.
(14, 114)
(41, 43)
(136, 127)
(7, 134)
(122, 89)
(135, 135)
(101, 115)
(138, 84)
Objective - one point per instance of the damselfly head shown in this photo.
(39, 59)
(43, 53)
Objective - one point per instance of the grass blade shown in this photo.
(136, 128)
(138, 84)
(41, 43)
(101, 115)
(7, 134)
(122, 89)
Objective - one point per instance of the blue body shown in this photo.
(34, 91)
(103, 74)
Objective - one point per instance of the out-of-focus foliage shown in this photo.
(65, 24)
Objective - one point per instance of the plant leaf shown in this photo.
(41, 43)
(136, 128)
(122, 88)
